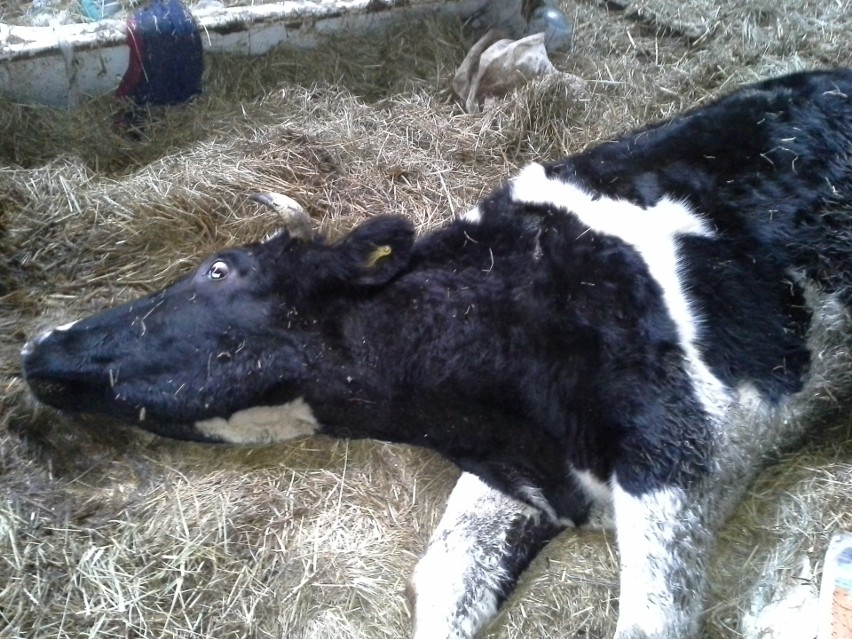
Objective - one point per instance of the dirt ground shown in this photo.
(110, 532)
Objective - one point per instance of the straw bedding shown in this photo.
(110, 532)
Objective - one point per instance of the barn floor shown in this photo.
(109, 532)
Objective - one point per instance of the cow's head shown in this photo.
(243, 328)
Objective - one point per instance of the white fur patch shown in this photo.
(263, 424)
(650, 231)
(653, 233)
(473, 215)
(45, 334)
(598, 491)
(456, 582)
(533, 496)
(792, 611)
(646, 528)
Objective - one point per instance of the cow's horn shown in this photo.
(294, 217)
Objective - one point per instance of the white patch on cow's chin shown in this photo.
(263, 424)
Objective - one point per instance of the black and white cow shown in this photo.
(636, 327)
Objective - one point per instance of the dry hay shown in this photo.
(105, 531)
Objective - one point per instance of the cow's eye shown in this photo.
(218, 270)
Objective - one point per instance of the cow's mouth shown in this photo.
(56, 388)
(62, 394)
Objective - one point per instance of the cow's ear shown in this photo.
(376, 251)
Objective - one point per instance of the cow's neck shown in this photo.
(381, 383)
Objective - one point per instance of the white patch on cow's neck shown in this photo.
(263, 424)
(65, 327)
(653, 232)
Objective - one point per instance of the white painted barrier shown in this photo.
(63, 65)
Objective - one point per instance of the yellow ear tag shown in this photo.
(379, 253)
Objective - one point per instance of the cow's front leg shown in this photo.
(664, 536)
(484, 541)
